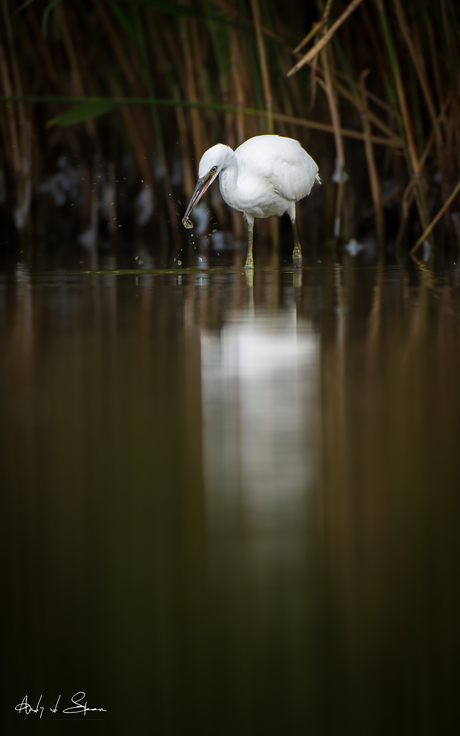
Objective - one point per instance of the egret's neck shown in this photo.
(228, 178)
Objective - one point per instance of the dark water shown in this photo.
(231, 508)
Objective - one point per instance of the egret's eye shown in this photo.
(214, 168)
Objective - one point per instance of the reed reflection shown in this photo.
(258, 485)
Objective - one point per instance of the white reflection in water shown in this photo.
(259, 389)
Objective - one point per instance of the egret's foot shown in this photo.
(297, 259)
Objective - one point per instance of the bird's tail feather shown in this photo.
(318, 179)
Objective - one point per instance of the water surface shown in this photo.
(232, 506)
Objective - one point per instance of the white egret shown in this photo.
(265, 176)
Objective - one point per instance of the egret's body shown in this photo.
(265, 176)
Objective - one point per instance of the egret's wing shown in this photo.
(280, 161)
(295, 179)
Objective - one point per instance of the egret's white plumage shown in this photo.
(265, 176)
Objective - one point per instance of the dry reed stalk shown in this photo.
(436, 219)
(77, 82)
(375, 50)
(426, 151)
(263, 65)
(191, 90)
(136, 121)
(22, 128)
(136, 137)
(118, 48)
(408, 194)
(293, 87)
(110, 208)
(373, 41)
(356, 102)
(314, 63)
(457, 140)
(417, 61)
(5, 152)
(13, 147)
(434, 59)
(145, 24)
(314, 81)
(387, 199)
(186, 162)
(325, 39)
(244, 19)
(22, 119)
(161, 35)
(335, 117)
(418, 68)
(384, 105)
(414, 163)
(373, 175)
(74, 65)
(450, 42)
(268, 98)
(451, 124)
(188, 177)
(251, 123)
(287, 105)
(239, 93)
(315, 29)
(345, 132)
(36, 37)
(419, 49)
(198, 67)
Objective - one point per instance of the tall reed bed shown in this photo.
(133, 93)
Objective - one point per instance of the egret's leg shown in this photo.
(297, 252)
(249, 260)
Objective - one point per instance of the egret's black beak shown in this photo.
(201, 188)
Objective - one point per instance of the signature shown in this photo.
(79, 706)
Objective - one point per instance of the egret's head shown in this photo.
(213, 160)
(211, 164)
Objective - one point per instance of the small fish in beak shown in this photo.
(201, 188)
